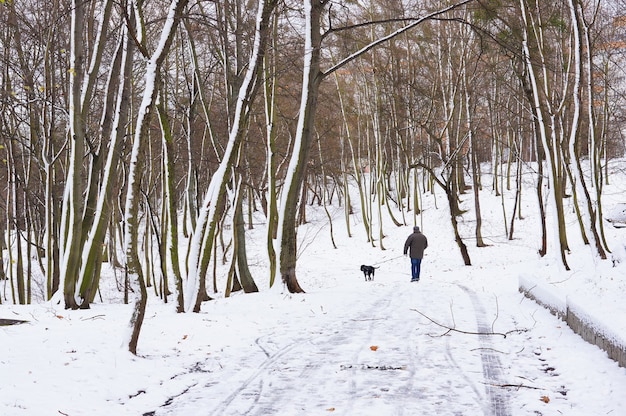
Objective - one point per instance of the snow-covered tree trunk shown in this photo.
(547, 135)
(588, 216)
(204, 233)
(270, 126)
(113, 126)
(312, 76)
(595, 139)
(77, 213)
(170, 231)
(131, 220)
(71, 216)
(190, 213)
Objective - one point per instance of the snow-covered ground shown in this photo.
(347, 346)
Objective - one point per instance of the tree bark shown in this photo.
(311, 79)
(204, 234)
(548, 136)
(153, 66)
(71, 223)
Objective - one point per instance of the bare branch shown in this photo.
(449, 329)
(384, 39)
(517, 386)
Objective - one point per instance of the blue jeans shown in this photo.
(416, 265)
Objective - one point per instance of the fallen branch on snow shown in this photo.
(450, 329)
(372, 367)
(517, 386)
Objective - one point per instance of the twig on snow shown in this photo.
(493, 324)
(488, 349)
(93, 317)
(517, 386)
(449, 329)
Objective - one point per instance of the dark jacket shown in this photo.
(417, 242)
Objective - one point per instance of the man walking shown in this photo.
(415, 246)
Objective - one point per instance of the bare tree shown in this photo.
(311, 80)
(203, 237)
(150, 93)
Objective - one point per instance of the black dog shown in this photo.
(368, 272)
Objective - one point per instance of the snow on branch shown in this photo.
(384, 39)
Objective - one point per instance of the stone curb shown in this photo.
(581, 322)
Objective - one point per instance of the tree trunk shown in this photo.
(170, 234)
(473, 160)
(270, 120)
(549, 138)
(239, 237)
(296, 172)
(71, 230)
(589, 219)
(204, 234)
(115, 129)
(153, 66)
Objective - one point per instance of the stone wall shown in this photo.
(589, 329)
(596, 335)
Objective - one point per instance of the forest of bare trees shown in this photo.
(148, 133)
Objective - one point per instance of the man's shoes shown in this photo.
(415, 280)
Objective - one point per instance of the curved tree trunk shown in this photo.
(134, 177)
(452, 204)
(204, 234)
(311, 80)
(452, 198)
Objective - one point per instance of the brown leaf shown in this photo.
(330, 409)
(374, 347)
(545, 399)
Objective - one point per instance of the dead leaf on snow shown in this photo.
(545, 399)
(374, 347)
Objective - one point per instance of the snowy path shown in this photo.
(382, 359)
(492, 368)
(281, 355)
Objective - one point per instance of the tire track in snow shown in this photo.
(293, 377)
(332, 369)
(452, 380)
(282, 379)
(492, 368)
(325, 370)
(367, 375)
(249, 383)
